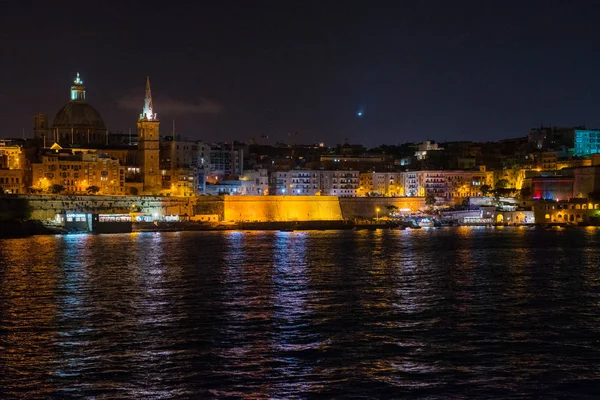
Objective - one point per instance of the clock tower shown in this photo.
(148, 144)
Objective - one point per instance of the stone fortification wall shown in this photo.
(366, 207)
(282, 208)
(210, 205)
(228, 208)
(46, 207)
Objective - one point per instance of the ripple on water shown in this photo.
(444, 313)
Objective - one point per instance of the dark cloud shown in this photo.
(172, 106)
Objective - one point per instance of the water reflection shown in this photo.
(292, 316)
(375, 314)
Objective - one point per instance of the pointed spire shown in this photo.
(148, 111)
(78, 80)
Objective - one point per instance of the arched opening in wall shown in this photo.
(584, 206)
(578, 217)
(547, 216)
(578, 207)
(499, 218)
(560, 216)
(571, 218)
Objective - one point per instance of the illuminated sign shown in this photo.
(144, 218)
(114, 218)
(75, 217)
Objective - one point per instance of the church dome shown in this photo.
(80, 115)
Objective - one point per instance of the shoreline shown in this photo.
(22, 229)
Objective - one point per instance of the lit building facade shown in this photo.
(552, 187)
(297, 182)
(587, 142)
(14, 156)
(547, 161)
(445, 184)
(12, 169)
(339, 183)
(12, 181)
(574, 211)
(179, 167)
(315, 182)
(389, 184)
(223, 161)
(427, 146)
(77, 171)
(257, 182)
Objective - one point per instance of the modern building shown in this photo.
(179, 166)
(223, 162)
(315, 182)
(339, 183)
(297, 182)
(587, 142)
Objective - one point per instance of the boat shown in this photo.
(425, 223)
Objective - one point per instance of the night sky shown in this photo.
(441, 70)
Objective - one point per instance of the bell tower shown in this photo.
(148, 144)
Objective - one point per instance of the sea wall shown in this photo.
(210, 205)
(366, 207)
(227, 208)
(282, 208)
(42, 207)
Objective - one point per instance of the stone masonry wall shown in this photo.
(46, 207)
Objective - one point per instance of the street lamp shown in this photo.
(377, 210)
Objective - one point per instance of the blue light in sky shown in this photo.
(360, 113)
